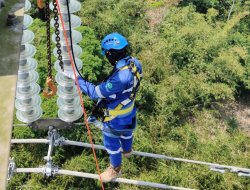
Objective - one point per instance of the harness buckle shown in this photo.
(106, 113)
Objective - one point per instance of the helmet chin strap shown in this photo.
(111, 59)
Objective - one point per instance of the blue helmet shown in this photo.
(113, 41)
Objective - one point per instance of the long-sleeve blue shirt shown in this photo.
(114, 90)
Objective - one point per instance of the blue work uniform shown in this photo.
(116, 90)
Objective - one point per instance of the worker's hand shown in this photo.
(70, 74)
(95, 122)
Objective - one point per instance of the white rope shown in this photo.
(145, 154)
(95, 176)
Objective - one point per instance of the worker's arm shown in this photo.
(106, 89)
(109, 88)
(88, 88)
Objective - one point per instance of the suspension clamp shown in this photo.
(50, 170)
(55, 137)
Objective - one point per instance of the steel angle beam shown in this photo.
(10, 41)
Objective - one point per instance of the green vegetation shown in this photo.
(195, 64)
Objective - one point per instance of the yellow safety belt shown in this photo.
(118, 111)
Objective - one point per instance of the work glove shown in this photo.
(95, 122)
(70, 74)
(91, 119)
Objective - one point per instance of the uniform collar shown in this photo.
(122, 62)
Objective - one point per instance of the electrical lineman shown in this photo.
(116, 95)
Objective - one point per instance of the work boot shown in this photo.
(128, 153)
(111, 173)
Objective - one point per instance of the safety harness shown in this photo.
(118, 111)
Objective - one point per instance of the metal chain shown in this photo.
(57, 33)
(47, 16)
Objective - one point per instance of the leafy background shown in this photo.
(196, 81)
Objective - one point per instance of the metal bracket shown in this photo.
(50, 170)
(54, 140)
(11, 168)
(54, 135)
(45, 123)
(59, 141)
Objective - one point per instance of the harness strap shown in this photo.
(134, 69)
(120, 133)
(113, 132)
(137, 78)
(118, 111)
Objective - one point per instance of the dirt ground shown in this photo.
(157, 14)
(238, 110)
(242, 113)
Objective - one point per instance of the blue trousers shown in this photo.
(117, 142)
